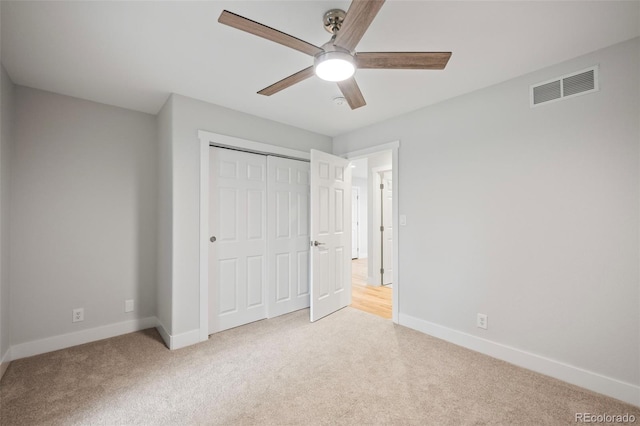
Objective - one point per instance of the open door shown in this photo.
(330, 234)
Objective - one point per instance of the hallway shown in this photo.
(372, 299)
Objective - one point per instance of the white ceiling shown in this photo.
(133, 54)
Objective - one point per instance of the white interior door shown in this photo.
(288, 235)
(237, 258)
(355, 222)
(387, 224)
(330, 234)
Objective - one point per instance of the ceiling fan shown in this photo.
(337, 60)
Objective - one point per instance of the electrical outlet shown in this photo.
(482, 321)
(77, 315)
(128, 305)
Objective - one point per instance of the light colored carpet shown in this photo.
(349, 368)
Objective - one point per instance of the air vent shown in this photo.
(547, 92)
(567, 86)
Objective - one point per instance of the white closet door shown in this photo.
(237, 259)
(331, 234)
(288, 235)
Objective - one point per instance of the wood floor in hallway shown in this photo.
(373, 299)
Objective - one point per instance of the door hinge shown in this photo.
(382, 271)
(382, 229)
(382, 186)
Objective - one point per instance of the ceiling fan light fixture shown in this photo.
(334, 65)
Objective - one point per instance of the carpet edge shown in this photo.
(62, 341)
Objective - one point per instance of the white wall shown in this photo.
(189, 116)
(165, 217)
(6, 126)
(528, 215)
(83, 215)
(361, 184)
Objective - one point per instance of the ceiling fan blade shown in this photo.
(403, 60)
(287, 82)
(247, 25)
(359, 16)
(352, 93)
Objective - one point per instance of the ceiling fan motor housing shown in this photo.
(333, 20)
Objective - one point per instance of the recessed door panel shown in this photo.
(323, 170)
(303, 214)
(282, 216)
(255, 285)
(255, 214)
(283, 281)
(323, 273)
(339, 210)
(303, 273)
(303, 177)
(227, 169)
(227, 291)
(228, 226)
(255, 172)
(339, 269)
(283, 174)
(323, 210)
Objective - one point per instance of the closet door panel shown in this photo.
(288, 235)
(238, 257)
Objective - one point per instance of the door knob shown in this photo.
(317, 243)
(212, 239)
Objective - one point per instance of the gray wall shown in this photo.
(528, 215)
(6, 126)
(83, 214)
(165, 217)
(189, 116)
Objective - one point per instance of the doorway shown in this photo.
(208, 139)
(372, 265)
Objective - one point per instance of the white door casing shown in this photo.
(237, 219)
(355, 222)
(330, 234)
(288, 235)
(387, 224)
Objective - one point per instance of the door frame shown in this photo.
(356, 208)
(376, 254)
(394, 147)
(208, 139)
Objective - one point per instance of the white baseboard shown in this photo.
(185, 339)
(614, 388)
(4, 362)
(164, 334)
(178, 341)
(62, 341)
